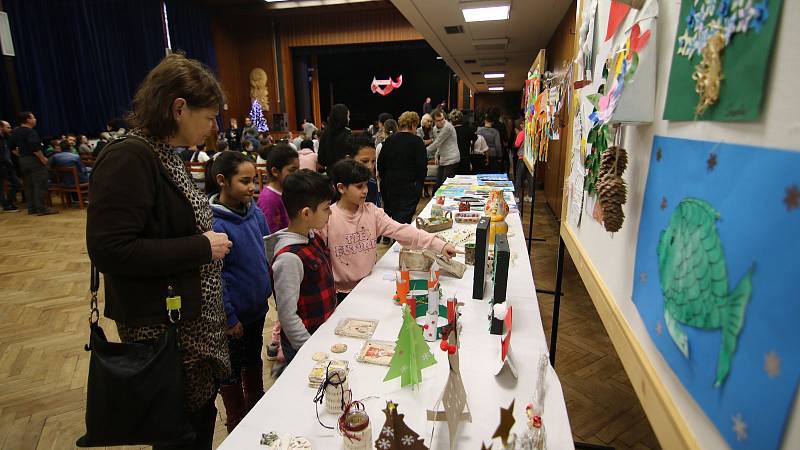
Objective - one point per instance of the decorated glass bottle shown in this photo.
(497, 210)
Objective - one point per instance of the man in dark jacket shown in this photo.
(33, 163)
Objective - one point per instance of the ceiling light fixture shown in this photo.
(496, 88)
(494, 75)
(485, 11)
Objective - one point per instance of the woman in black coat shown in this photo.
(403, 165)
(335, 143)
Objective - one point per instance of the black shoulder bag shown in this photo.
(135, 390)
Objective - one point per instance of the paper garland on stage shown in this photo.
(715, 265)
(721, 59)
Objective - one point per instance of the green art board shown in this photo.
(745, 59)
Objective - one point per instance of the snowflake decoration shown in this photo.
(708, 18)
(408, 440)
(760, 15)
(384, 444)
(724, 8)
(739, 427)
(388, 431)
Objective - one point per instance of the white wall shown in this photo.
(615, 255)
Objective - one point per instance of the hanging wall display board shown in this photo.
(532, 94)
(736, 184)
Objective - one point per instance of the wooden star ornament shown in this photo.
(792, 198)
(506, 423)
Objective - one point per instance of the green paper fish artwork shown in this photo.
(694, 281)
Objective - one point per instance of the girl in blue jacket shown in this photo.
(246, 282)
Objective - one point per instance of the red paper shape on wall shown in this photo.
(638, 40)
(384, 87)
(617, 14)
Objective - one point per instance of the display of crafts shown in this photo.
(468, 217)
(357, 328)
(377, 352)
(458, 236)
(429, 321)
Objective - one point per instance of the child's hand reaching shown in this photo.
(449, 251)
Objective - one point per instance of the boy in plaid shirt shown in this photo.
(305, 295)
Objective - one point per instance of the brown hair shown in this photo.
(408, 120)
(176, 76)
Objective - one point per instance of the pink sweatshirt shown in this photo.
(308, 159)
(352, 239)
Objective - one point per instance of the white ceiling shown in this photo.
(530, 25)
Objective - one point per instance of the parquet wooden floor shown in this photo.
(43, 328)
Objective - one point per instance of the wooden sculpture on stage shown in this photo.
(258, 87)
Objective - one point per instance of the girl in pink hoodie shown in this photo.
(354, 225)
(308, 159)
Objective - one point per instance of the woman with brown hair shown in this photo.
(403, 165)
(149, 232)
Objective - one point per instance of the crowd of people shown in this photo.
(24, 155)
(307, 238)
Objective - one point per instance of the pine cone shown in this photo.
(609, 156)
(612, 192)
(612, 188)
(613, 217)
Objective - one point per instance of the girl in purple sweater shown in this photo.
(282, 160)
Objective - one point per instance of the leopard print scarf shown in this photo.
(205, 348)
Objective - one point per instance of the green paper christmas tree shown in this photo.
(411, 353)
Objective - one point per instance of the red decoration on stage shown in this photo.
(384, 87)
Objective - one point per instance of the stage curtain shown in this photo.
(190, 31)
(79, 61)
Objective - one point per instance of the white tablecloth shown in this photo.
(288, 408)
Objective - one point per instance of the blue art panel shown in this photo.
(718, 257)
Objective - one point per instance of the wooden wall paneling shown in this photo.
(460, 99)
(226, 49)
(559, 50)
(256, 50)
(241, 44)
(288, 75)
(315, 101)
(360, 27)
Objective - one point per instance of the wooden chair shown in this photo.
(88, 160)
(195, 168)
(61, 185)
(430, 182)
(261, 179)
